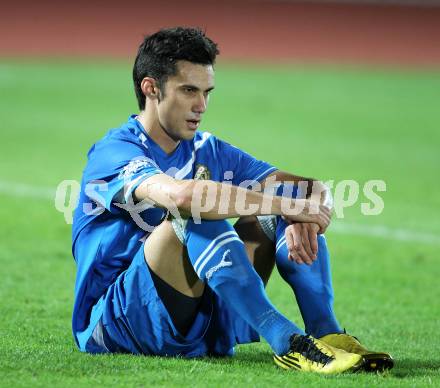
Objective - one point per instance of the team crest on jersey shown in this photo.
(202, 173)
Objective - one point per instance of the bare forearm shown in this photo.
(213, 200)
(314, 189)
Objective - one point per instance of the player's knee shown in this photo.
(218, 225)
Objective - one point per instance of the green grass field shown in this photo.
(326, 123)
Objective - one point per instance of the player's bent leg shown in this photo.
(311, 284)
(135, 321)
(259, 248)
(220, 259)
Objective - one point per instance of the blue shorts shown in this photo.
(134, 320)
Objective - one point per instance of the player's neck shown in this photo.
(157, 133)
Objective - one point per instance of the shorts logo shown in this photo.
(202, 172)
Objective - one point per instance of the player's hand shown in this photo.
(302, 242)
(312, 212)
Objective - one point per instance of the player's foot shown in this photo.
(374, 361)
(307, 354)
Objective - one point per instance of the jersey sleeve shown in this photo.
(115, 169)
(243, 166)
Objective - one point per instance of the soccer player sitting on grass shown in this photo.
(177, 278)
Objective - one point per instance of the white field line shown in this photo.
(26, 191)
(381, 231)
(385, 232)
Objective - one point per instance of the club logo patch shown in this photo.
(202, 173)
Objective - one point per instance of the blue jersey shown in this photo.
(106, 234)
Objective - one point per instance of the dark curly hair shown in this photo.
(158, 55)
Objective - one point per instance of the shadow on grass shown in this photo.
(247, 359)
(403, 368)
(254, 357)
(413, 368)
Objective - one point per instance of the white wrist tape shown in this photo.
(328, 198)
(269, 226)
(179, 226)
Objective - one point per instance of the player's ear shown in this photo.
(150, 88)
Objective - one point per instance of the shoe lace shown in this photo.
(306, 346)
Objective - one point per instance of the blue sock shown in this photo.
(219, 258)
(312, 285)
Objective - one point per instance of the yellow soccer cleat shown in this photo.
(307, 354)
(374, 361)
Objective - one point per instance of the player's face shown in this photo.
(186, 99)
